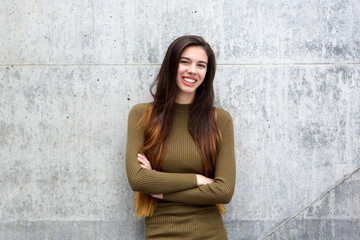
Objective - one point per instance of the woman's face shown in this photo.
(191, 73)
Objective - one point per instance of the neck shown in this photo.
(184, 98)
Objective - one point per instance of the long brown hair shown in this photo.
(157, 120)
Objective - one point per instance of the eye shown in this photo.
(202, 65)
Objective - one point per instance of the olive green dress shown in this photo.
(186, 211)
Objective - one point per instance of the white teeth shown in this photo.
(189, 80)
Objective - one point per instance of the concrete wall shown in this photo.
(288, 72)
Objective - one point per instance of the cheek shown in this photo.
(203, 74)
(181, 69)
(178, 75)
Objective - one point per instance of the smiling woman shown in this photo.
(180, 157)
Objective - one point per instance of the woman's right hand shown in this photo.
(144, 162)
(202, 180)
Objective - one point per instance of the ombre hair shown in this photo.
(157, 120)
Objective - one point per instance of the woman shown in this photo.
(180, 149)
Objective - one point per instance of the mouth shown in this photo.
(189, 81)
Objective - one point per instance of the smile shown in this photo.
(189, 80)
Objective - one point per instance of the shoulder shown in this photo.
(223, 117)
(139, 110)
(140, 107)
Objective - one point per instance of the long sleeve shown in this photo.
(222, 189)
(144, 180)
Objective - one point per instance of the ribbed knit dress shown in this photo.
(186, 211)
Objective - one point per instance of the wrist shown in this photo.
(199, 180)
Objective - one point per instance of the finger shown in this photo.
(144, 161)
(140, 159)
(141, 156)
(158, 196)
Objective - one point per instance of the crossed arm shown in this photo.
(188, 188)
(145, 163)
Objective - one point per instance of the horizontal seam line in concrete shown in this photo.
(107, 220)
(311, 203)
(59, 220)
(158, 64)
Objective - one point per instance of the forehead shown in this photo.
(195, 53)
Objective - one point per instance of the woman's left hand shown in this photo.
(158, 196)
(144, 162)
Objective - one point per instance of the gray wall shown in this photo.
(288, 72)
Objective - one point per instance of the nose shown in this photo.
(192, 68)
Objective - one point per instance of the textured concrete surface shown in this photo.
(333, 216)
(289, 73)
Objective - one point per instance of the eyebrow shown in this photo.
(199, 61)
